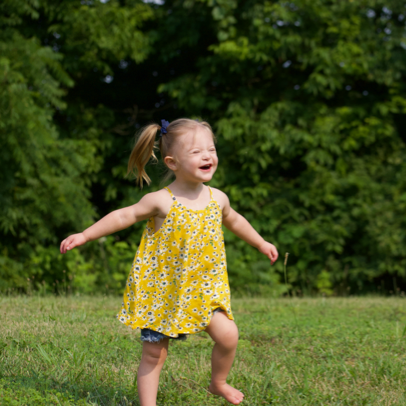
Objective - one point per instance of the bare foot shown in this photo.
(229, 393)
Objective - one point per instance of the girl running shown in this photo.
(178, 283)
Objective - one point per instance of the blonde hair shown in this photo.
(144, 147)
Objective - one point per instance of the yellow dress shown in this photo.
(179, 273)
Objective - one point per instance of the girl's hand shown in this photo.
(269, 250)
(74, 240)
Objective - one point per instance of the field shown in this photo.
(72, 351)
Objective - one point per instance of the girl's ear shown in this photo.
(170, 162)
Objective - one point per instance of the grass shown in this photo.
(72, 351)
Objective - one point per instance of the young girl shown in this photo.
(178, 283)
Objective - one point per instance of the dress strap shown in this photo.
(174, 198)
(211, 193)
(170, 192)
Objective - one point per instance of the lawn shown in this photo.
(336, 351)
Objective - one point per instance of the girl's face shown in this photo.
(194, 157)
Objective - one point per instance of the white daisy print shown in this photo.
(178, 272)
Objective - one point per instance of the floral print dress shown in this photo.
(179, 274)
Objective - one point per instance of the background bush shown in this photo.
(306, 99)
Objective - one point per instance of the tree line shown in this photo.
(307, 100)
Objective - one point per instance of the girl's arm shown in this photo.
(243, 229)
(115, 221)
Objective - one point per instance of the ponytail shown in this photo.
(142, 152)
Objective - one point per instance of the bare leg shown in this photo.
(152, 361)
(224, 332)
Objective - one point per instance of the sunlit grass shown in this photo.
(72, 351)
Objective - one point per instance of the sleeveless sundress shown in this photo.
(179, 274)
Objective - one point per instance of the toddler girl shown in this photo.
(178, 283)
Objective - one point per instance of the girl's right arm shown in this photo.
(150, 205)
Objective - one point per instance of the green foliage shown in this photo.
(323, 283)
(48, 171)
(306, 99)
(308, 104)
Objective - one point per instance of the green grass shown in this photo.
(72, 351)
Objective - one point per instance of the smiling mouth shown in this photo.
(205, 167)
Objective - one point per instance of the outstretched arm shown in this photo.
(115, 221)
(243, 229)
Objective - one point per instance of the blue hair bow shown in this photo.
(164, 127)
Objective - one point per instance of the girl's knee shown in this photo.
(154, 352)
(229, 339)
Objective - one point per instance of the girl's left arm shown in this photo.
(244, 230)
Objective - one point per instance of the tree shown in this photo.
(51, 140)
(306, 99)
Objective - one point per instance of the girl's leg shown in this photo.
(152, 361)
(224, 333)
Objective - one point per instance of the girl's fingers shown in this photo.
(71, 244)
(66, 244)
(63, 246)
(273, 254)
